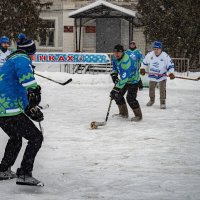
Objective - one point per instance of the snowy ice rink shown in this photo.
(155, 159)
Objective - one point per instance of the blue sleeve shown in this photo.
(141, 56)
(24, 72)
(114, 66)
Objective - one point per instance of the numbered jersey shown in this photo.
(161, 64)
(127, 70)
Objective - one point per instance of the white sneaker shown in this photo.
(9, 174)
(28, 180)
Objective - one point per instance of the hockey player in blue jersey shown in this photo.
(125, 76)
(4, 51)
(136, 55)
(19, 97)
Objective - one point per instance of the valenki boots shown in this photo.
(138, 115)
(123, 111)
(162, 104)
(151, 102)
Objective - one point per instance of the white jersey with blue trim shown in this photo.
(161, 64)
(3, 56)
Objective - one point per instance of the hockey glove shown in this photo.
(171, 76)
(115, 78)
(142, 71)
(34, 113)
(34, 96)
(115, 93)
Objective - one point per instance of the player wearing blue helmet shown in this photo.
(4, 52)
(21, 37)
(159, 64)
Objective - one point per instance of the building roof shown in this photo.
(100, 9)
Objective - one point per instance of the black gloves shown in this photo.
(34, 113)
(32, 110)
(115, 93)
(114, 77)
(34, 96)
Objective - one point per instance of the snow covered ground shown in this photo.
(155, 159)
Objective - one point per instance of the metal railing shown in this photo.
(87, 68)
(181, 67)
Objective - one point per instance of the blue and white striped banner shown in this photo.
(72, 58)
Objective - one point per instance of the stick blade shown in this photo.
(188, 78)
(94, 125)
(68, 81)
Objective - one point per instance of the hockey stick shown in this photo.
(180, 77)
(94, 125)
(41, 128)
(188, 78)
(65, 83)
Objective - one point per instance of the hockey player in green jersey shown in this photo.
(125, 76)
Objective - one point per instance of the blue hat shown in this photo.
(4, 39)
(157, 44)
(21, 36)
(27, 45)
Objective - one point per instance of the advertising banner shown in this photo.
(71, 58)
